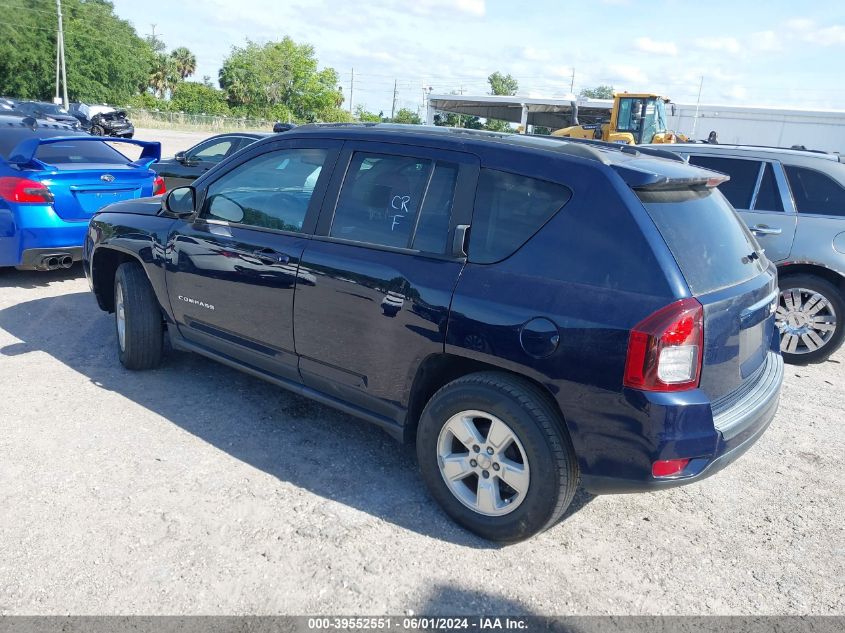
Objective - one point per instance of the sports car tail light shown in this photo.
(15, 189)
(665, 350)
(158, 186)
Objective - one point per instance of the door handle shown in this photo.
(269, 256)
(762, 229)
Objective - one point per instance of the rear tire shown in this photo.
(805, 334)
(138, 319)
(469, 477)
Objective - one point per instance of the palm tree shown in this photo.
(164, 75)
(186, 61)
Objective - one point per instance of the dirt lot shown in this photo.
(196, 489)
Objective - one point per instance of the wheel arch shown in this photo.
(817, 270)
(437, 370)
(104, 264)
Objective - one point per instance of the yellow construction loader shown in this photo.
(634, 119)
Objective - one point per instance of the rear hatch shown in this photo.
(86, 176)
(729, 274)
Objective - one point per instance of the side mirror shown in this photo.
(180, 202)
(180, 157)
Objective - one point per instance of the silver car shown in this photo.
(793, 201)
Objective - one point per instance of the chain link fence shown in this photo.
(162, 120)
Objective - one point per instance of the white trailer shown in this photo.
(746, 125)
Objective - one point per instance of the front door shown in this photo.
(383, 267)
(233, 268)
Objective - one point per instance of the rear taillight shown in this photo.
(158, 186)
(665, 350)
(668, 467)
(14, 189)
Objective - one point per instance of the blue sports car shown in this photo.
(52, 180)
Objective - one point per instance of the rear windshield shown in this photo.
(69, 152)
(709, 241)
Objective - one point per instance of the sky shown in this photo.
(742, 52)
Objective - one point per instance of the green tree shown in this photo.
(406, 115)
(451, 119)
(495, 125)
(107, 62)
(364, 116)
(599, 92)
(196, 98)
(185, 60)
(259, 77)
(502, 84)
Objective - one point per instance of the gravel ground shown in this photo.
(195, 489)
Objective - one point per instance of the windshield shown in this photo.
(50, 108)
(642, 117)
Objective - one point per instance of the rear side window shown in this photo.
(212, 152)
(509, 209)
(768, 198)
(70, 152)
(711, 244)
(398, 201)
(815, 192)
(739, 189)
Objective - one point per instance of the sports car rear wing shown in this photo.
(24, 153)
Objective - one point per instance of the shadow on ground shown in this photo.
(294, 439)
(13, 278)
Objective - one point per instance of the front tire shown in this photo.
(493, 451)
(97, 130)
(138, 319)
(811, 319)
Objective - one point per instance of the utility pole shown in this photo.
(351, 89)
(697, 105)
(393, 107)
(572, 83)
(61, 54)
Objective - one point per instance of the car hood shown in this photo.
(139, 206)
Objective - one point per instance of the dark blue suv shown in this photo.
(533, 312)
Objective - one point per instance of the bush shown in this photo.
(196, 98)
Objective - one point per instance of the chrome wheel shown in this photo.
(806, 320)
(120, 317)
(483, 463)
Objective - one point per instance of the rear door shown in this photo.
(235, 265)
(381, 272)
(757, 190)
(729, 275)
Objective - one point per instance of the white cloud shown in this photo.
(648, 45)
(475, 8)
(727, 44)
(765, 41)
(536, 54)
(830, 36)
(628, 72)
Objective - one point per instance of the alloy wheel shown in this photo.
(806, 320)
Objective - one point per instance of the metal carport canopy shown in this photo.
(551, 113)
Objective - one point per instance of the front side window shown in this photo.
(271, 191)
(509, 209)
(213, 152)
(381, 198)
(740, 188)
(815, 192)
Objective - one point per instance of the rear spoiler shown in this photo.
(24, 153)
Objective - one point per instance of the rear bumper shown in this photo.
(37, 228)
(34, 258)
(738, 424)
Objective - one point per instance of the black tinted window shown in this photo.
(739, 189)
(509, 209)
(380, 198)
(768, 198)
(69, 152)
(815, 192)
(433, 226)
(706, 237)
(271, 191)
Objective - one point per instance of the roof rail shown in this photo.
(620, 147)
